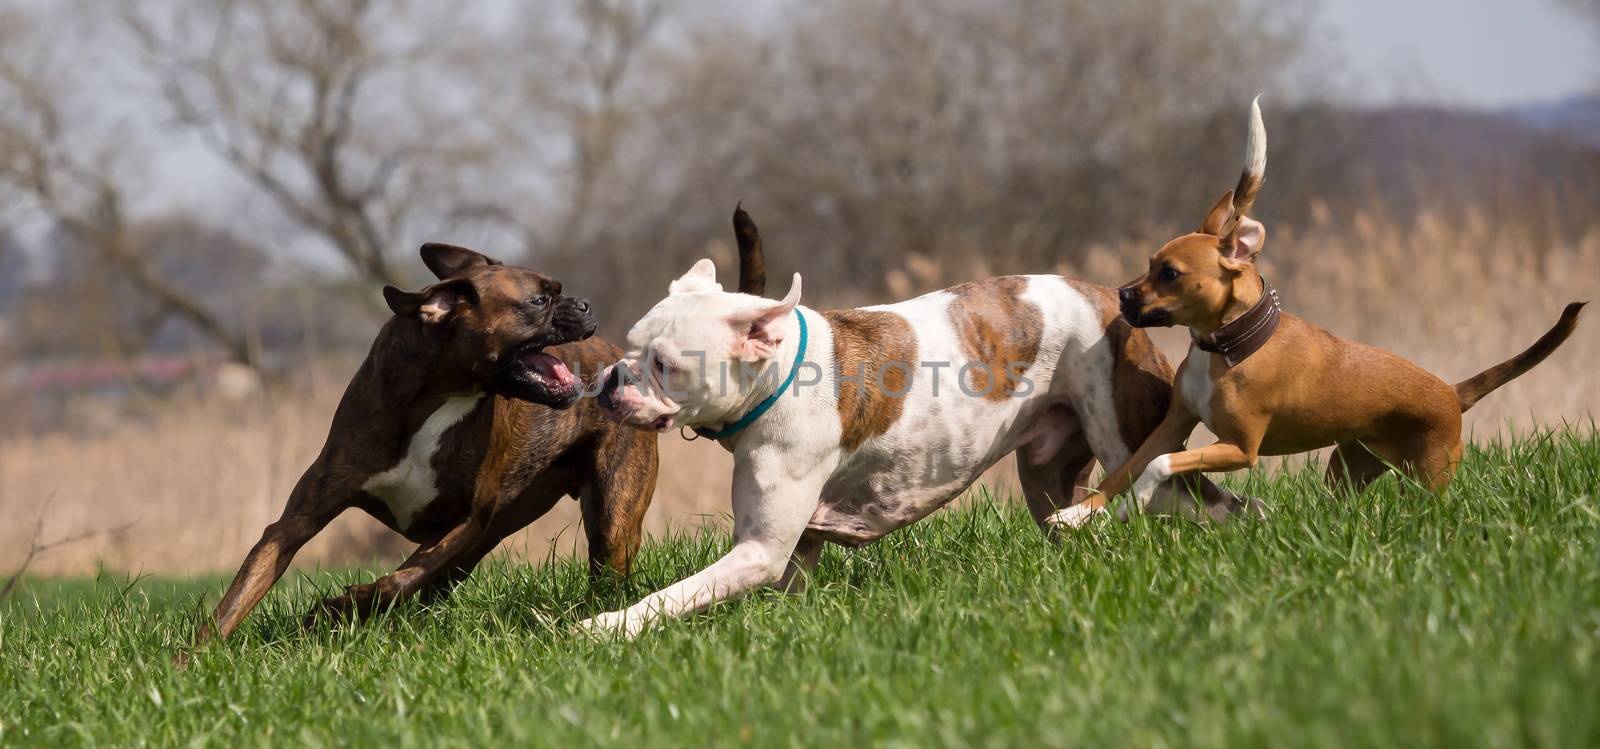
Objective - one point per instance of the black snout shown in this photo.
(572, 320)
(613, 381)
(1128, 297)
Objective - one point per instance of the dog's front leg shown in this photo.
(774, 495)
(1169, 434)
(316, 500)
(1219, 457)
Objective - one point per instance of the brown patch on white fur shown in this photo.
(875, 353)
(1141, 379)
(998, 328)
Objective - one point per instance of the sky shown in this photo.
(1484, 53)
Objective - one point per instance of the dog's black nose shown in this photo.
(1128, 294)
(613, 381)
(582, 305)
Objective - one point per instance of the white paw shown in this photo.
(608, 625)
(1158, 471)
(1075, 516)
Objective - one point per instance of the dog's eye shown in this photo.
(1169, 273)
(539, 302)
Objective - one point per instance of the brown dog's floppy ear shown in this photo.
(446, 260)
(1242, 245)
(1219, 215)
(433, 304)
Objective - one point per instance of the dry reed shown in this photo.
(201, 479)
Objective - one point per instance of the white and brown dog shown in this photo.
(846, 425)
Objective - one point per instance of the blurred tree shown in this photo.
(345, 113)
(370, 124)
(62, 159)
(84, 306)
(905, 146)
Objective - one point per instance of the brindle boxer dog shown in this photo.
(853, 423)
(463, 425)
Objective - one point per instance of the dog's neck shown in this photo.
(1244, 292)
(399, 382)
(772, 373)
(1242, 333)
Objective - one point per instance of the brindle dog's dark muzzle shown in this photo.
(533, 375)
(571, 321)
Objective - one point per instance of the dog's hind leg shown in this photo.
(802, 563)
(1352, 467)
(1052, 482)
(1430, 459)
(435, 582)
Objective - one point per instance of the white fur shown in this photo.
(1196, 386)
(411, 484)
(1075, 516)
(792, 476)
(1255, 146)
(1159, 470)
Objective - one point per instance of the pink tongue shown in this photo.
(548, 368)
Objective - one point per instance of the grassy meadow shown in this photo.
(1380, 619)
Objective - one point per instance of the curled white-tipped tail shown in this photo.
(1255, 148)
(1255, 162)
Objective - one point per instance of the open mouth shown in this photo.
(1153, 319)
(542, 377)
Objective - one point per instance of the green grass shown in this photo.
(1377, 619)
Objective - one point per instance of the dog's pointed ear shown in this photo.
(1242, 245)
(1218, 216)
(446, 260)
(432, 305)
(701, 277)
(760, 328)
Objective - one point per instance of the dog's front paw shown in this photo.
(1144, 489)
(612, 624)
(1075, 516)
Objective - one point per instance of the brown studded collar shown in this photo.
(1237, 340)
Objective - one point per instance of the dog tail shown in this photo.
(1255, 164)
(1472, 389)
(752, 260)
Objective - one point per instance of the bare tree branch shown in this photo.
(277, 89)
(43, 157)
(37, 548)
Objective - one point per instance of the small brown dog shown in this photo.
(1269, 383)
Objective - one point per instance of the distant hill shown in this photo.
(1540, 161)
(1577, 118)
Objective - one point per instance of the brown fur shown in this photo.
(999, 328)
(864, 345)
(752, 257)
(1305, 388)
(503, 466)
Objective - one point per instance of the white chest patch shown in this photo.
(411, 484)
(1197, 386)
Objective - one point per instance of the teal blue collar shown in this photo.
(761, 408)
